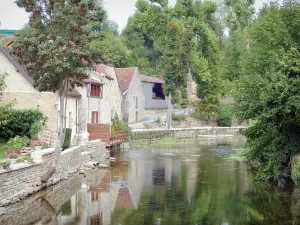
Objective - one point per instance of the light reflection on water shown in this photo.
(191, 183)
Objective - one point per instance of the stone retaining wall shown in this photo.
(140, 134)
(20, 182)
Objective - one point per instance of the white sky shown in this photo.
(12, 17)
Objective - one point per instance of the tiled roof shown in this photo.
(7, 44)
(148, 79)
(125, 76)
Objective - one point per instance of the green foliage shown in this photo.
(66, 208)
(112, 49)
(5, 165)
(67, 141)
(20, 122)
(16, 143)
(158, 120)
(55, 45)
(26, 158)
(119, 125)
(176, 117)
(2, 82)
(225, 116)
(269, 93)
(296, 174)
(36, 128)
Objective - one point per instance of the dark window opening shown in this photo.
(157, 92)
(96, 91)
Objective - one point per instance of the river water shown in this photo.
(197, 182)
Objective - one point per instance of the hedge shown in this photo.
(67, 141)
(20, 122)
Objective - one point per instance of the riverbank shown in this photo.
(140, 134)
(22, 180)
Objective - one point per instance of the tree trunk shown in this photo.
(61, 134)
(169, 113)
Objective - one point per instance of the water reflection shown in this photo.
(193, 183)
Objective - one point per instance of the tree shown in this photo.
(112, 49)
(55, 48)
(268, 92)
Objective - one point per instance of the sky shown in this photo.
(14, 18)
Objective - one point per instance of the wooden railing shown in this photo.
(103, 132)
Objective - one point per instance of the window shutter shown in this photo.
(93, 117)
(96, 114)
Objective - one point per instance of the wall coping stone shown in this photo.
(183, 129)
(18, 168)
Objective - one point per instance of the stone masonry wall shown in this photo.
(139, 134)
(18, 183)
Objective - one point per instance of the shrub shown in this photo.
(296, 174)
(67, 141)
(16, 143)
(177, 117)
(26, 158)
(158, 120)
(5, 165)
(225, 116)
(119, 125)
(20, 122)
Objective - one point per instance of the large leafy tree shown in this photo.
(269, 93)
(55, 48)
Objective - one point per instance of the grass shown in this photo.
(164, 142)
(196, 115)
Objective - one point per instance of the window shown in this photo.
(96, 91)
(157, 92)
(95, 117)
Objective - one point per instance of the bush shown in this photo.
(177, 117)
(20, 122)
(67, 141)
(225, 116)
(16, 143)
(296, 174)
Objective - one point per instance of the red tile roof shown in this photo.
(7, 44)
(125, 76)
(148, 79)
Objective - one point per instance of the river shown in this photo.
(197, 183)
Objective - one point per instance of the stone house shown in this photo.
(20, 88)
(101, 96)
(133, 103)
(154, 95)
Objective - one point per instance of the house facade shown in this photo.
(95, 103)
(154, 95)
(20, 88)
(133, 103)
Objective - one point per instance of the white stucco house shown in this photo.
(154, 95)
(133, 102)
(20, 88)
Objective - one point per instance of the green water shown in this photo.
(190, 183)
